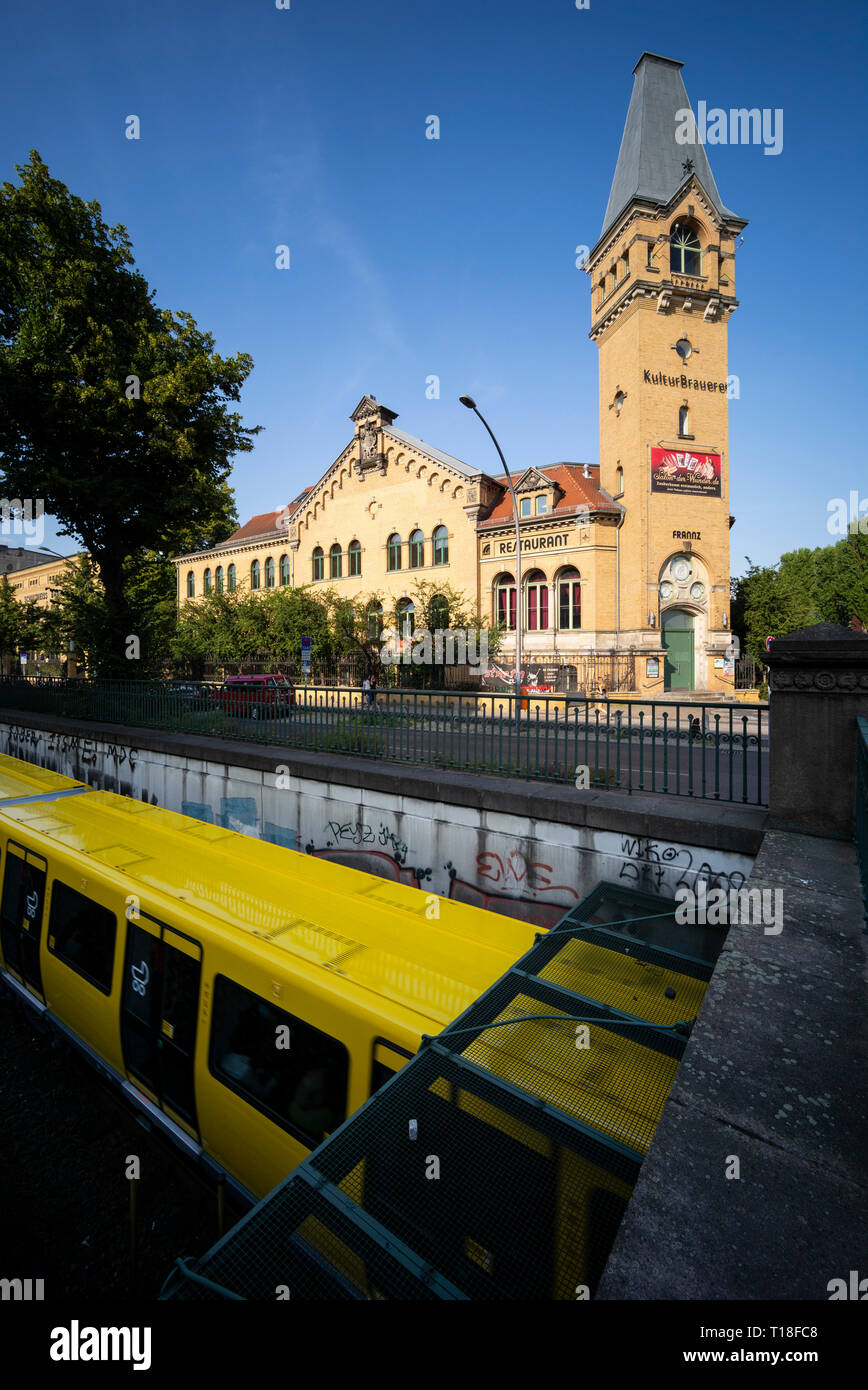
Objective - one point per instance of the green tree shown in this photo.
(23, 627)
(78, 613)
(11, 626)
(828, 584)
(112, 411)
(355, 625)
(297, 613)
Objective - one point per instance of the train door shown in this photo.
(159, 1009)
(21, 914)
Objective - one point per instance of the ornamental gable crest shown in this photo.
(532, 480)
(369, 406)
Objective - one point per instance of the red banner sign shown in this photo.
(690, 475)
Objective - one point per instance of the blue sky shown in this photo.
(413, 257)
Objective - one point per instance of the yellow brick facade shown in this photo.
(380, 487)
(650, 562)
(637, 317)
(38, 581)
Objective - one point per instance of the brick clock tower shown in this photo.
(663, 289)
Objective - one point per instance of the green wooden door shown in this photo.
(678, 645)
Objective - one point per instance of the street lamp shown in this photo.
(471, 405)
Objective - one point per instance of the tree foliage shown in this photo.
(22, 625)
(113, 411)
(237, 626)
(829, 584)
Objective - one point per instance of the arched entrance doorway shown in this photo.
(677, 636)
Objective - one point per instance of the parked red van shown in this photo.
(259, 697)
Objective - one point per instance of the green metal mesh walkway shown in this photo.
(532, 1111)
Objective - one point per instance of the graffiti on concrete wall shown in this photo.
(362, 833)
(375, 849)
(85, 750)
(515, 886)
(73, 751)
(660, 868)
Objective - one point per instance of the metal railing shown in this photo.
(861, 834)
(714, 750)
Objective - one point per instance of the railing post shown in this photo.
(818, 686)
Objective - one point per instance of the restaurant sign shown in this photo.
(690, 475)
(550, 542)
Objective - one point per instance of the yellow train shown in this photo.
(246, 997)
(249, 999)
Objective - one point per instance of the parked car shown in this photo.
(259, 697)
(191, 695)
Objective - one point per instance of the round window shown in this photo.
(680, 569)
(684, 347)
(666, 589)
(697, 591)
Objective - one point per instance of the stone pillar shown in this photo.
(818, 684)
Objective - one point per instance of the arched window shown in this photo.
(230, 576)
(191, 584)
(218, 579)
(393, 552)
(438, 613)
(619, 482)
(284, 570)
(504, 601)
(417, 550)
(318, 563)
(569, 599)
(269, 572)
(684, 420)
(405, 612)
(335, 566)
(536, 602)
(254, 575)
(375, 621)
(441, 546)
(354, 551)
(685, 251)
(206, 581)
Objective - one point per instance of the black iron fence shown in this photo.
(748, 673)
(716, 750)
(862, 804)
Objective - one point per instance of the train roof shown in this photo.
(372, 931)
(18, 778)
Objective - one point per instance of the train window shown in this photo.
(82, 935)
(388, 1059)
(21, 913)
(297, 1077)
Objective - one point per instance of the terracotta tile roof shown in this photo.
(578, 491)
(262, 525)
(265, 524)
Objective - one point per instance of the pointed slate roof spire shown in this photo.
(651, 164)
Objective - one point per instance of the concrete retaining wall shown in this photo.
(525, 849)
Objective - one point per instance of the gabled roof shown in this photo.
(578, 492)
(651, 161)
(369, 405)
(265, 524)
(457, 464)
